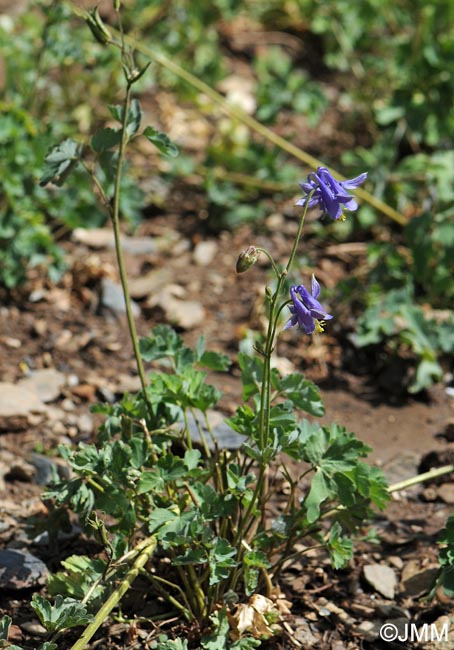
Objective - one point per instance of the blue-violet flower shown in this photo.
(306, 310)
(330, 194)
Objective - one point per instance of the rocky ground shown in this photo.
(65, 348)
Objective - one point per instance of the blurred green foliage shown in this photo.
(387, 67)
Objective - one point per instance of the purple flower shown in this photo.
(306, 310)
(330, 195)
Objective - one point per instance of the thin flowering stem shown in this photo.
(299, 232)
(115, 217)
(265, 393)
(270, 257)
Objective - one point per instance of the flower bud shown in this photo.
(97, 27)
(247, 259)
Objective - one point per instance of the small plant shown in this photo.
(404, 328)
(281, 86)
(446, 559)
(157, 472)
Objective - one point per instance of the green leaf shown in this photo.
(192, 458)
(428, 371)
(161, 141)
(303, 394)
(244, 421)
(340, 547)
(214, 361)
(221, 560)
(163, 342)
(218, 639)
(164, 643)
(134, 116)
(5, 624)
(64, 614)
(251, 374)
(106, 139)
(60, 161)
(191, 556)
(320, 490)
(116, 111)
(81, 572)
(253, 561)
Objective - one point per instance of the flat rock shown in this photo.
(382, 578)
(204, 252)
(21, 570)
(446, 492)
(149, 283)
(16, 404)
(182, 313)
(104, 238)
(47, 383)
(128, 383)
(112, 298)
(401, 466)
(417, 580)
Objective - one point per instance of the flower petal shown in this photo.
(315, 287)
(354, 182)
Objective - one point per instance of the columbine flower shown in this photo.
(330, 194)
(306, 310)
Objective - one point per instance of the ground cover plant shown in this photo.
(188, 517)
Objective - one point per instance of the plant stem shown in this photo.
(115, 215)
(420, 478)
(265, 405)
(144, 549)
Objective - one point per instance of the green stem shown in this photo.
(270, 257)
(427, 476)
(115, 214)
(156, 580)
(264, 414)
(145, 549)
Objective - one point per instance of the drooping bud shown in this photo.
(97, 27)
(247, 259)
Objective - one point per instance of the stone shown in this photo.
(16, 404)
(85, 423)
(104, 238)
(205, 252)
(401, 466)
(21, 570)
(47, 383)
(417, 581)
(150, 283)
(34, 628)
(240, 91)
(128, 383)
(112, 299)
(446, 493)
(382, 578)
(186, 314)
(48, 468)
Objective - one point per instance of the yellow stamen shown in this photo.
(319, 325)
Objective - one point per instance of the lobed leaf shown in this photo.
(161, 141)
(60, 161)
